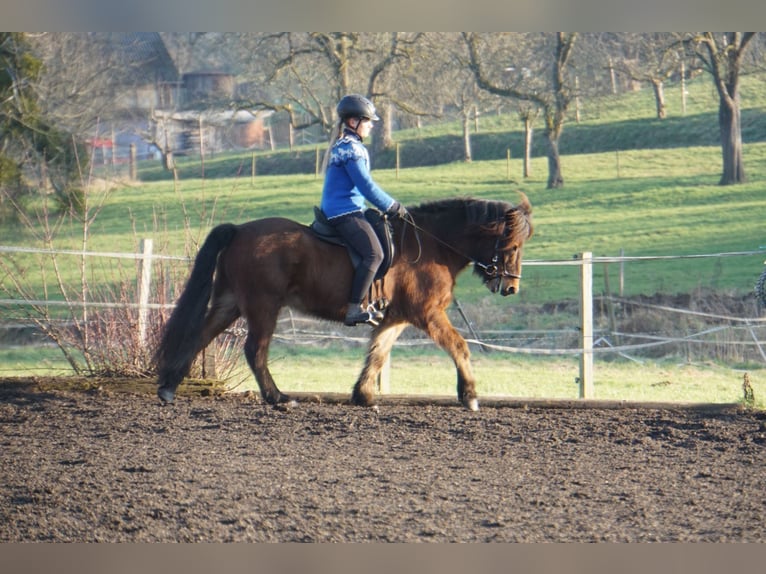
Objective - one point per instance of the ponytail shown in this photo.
(333, 138)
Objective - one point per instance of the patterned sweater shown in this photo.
(348, 182)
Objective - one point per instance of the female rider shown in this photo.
(347, 185)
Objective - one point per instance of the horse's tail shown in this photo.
(181, 335)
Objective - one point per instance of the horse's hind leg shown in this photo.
(222, 313)
(381, 342)
(257, 343)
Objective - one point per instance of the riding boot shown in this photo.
(358, 314)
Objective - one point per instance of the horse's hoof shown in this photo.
(287, 401)
(286, 406)
(166, 395)
(284, 403)
(472, 405)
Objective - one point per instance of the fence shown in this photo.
(590, 341)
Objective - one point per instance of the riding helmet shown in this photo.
(356, 106)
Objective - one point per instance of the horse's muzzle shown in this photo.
(497, 286)
(510, 290)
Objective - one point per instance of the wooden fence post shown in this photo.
(132, 163)
(397, 161)
(144, 286)
(622, 271)
(586, 325)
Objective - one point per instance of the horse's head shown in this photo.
(503, 272)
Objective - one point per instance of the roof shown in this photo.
(144, 55)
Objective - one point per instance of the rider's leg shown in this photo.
(360, 236)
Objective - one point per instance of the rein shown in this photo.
(491, 270)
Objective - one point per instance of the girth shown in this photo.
(325, 231)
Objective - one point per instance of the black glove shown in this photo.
(397, 210)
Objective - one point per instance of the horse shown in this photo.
(253, 270)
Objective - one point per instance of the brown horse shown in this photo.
(264, 265)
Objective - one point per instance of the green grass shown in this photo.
(664, 202)
(631, 183)
(608, 124)
(431, 372)
(30, 360)
(618, 193)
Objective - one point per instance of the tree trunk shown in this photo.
(724, 60)
(731, 142)
(527, 146)
(555, 179)
(382, 138)
(659, 98)
(467, 137)
(387, 139)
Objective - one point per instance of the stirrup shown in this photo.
(371, 315)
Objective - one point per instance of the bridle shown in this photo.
(491, 270)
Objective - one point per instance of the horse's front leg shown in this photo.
(381, 343)
(440, 329)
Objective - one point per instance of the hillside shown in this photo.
(608, 124)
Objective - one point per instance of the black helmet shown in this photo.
(356, 106)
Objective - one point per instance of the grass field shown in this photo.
(430, 372)
(665, 202)
(632, 183)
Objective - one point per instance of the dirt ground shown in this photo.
(110, 465)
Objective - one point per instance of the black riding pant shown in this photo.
(360, 236)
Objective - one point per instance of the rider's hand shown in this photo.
(397, 210)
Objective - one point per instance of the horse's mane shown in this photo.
(478, 216)
(470, 210)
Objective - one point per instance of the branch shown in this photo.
(482, 79)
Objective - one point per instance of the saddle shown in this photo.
(325, 231)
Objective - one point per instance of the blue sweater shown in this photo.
(348, 183)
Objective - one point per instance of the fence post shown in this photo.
(132, 163)
(622, 271)
(397, 161)
(144, 286)
(586, 325)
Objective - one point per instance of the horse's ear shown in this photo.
(521, 217)
(524, 204)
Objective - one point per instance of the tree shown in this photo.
(650, 58)
(32, 147)
(721, 55)
(442, 76)
(529, 81)
(308, 72)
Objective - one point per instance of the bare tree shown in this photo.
(79, 86)
(446, 82)
(543, 81)
(528, 112)
(308, 72)
(647, 58)
(721, 55)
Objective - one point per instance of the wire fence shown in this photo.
(631, 328)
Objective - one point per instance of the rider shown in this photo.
(347, 185)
